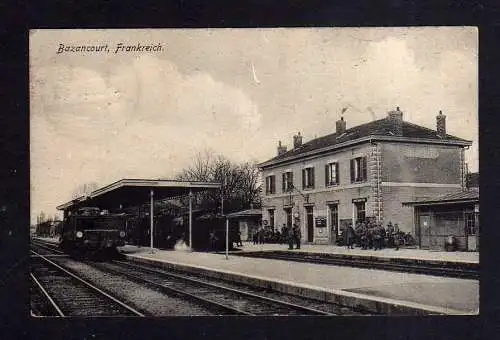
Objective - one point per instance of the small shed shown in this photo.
(248, 222)
(455, 214)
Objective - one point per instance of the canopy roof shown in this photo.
(133, 192)
(246, 213)
(466, 196)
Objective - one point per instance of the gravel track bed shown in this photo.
(147, 300)
(39, 304)
(311, 303)
(234, 300)
(249, 304)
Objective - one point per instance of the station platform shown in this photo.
(377, 291)
(402, 253)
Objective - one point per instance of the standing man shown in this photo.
(390, 235)
(238, 239)
(284, 233)
(290, 238)
(350, 236)
(376, 238)
(297, 234)
(397, 239)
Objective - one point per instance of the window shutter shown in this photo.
(363, 168)
(337, 173)
(267, 185)
(303, 178)
(283, 182)
(273, 184)
(290, 186)
(353, 164)
(312, 177)
(327, 180)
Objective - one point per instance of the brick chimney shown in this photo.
(340, 125)
(281, 149)
(396, 120)
(441, 124)
(297, 140)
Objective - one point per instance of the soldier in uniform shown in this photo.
(369, 236)
(376, 238)
(284, 233)
(363, 237)
(397, 240)
(213, 240)
(382, 235)
(297, 235)
(350, 237)
(290, 238)
(390, 235)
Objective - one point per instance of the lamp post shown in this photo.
(190, 219)
(151, 194)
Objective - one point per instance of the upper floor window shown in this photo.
(287, 183)
(332, 174)
(308, 178)
(271, 184)
(358, 169)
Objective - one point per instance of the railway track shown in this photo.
(226, 300)
(46, 247)
(60, 292)
(399, 265)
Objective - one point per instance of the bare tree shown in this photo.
(240, 183)
(84, 189)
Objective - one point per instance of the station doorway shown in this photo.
(425, 227)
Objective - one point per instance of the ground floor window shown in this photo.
(334, 218)
(470, 224)
(360, 212)
(271, 217)
(288, 214)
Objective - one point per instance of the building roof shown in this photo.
(465, 196)
(246, 213)
(130, 192)
(378, 129)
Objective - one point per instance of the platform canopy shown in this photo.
(133, 192)
(464, 196)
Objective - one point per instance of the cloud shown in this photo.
(140, 119)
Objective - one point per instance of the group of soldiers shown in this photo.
(373, 235)
(265, 235)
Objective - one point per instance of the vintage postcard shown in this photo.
(281, 171)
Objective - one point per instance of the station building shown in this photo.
(364, 172)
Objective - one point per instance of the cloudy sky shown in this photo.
(100, 117)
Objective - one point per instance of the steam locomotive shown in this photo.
(90, 230)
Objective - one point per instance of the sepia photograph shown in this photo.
(254, 171)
